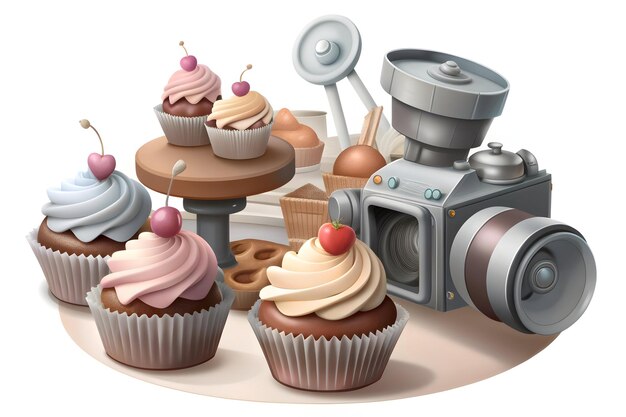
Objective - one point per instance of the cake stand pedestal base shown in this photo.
(213, 225)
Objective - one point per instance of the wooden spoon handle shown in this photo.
(370, 127)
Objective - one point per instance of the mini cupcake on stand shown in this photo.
(162, 307)
(187, 100)
(88, 218)
(240, 127)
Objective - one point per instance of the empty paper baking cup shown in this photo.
(315, 119)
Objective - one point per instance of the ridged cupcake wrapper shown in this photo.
(308, 157)
(333, 182)
(327, 365)
(167, 342)
(303, 217)
(239, 144)
(182, 131)
(70, 277)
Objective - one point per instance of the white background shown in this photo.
(109, 62)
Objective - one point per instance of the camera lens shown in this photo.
(398, 248)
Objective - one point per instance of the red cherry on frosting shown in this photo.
(167, 221)
(241, 88)
(101, 165)
(336, 238)
(189, 62)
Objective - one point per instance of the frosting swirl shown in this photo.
(242, 112)
(116, 207)
(333, 287)
(159, 270)
(193, 85)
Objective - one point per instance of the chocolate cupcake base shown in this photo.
(182, 131)
(358, 324)
(67, 242)
(338, 364)
(161, 343)
(69, 277)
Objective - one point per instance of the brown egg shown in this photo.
(358, 161)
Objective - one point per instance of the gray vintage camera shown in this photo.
(452, 231)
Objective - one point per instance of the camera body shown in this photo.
(454, 231)
(391, 215)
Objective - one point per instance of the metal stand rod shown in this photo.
(338, 116)
(213, 225)
(367, 100)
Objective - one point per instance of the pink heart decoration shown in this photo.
(101, 165)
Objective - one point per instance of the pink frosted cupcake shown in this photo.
(161, 306)
(240, 127)
(188, 99)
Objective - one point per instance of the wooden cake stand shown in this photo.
(211, 187)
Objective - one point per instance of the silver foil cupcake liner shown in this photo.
(182, 131)
(327, 365)
(69, 277)
(166, 342)
(239, 144)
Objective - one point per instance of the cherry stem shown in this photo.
(336, 224)
(249, 66)
(99, 137)
(179, 167)
(181, 43)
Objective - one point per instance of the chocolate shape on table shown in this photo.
(359, 161)
(253, 257)
(180, 305)
(66, 242)
(358, 324)
(183, 108)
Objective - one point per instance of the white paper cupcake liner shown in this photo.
(182, 131)
(239, 144)
(70, 277)
(167, 342)
(327, 365)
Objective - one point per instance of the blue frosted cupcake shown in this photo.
(86, 220)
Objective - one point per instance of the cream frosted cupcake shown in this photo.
(161, 306)
(325, 322)
(88, 218)
(187, 99)
(240, 127)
